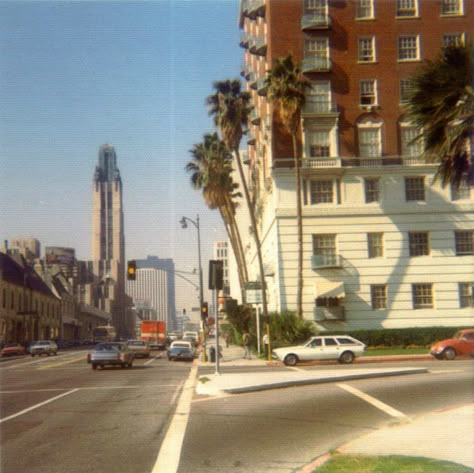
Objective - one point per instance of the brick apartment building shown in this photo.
(377, 229)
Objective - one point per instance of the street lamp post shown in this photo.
(184, 224)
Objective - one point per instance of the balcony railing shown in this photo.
(258, 45)
(254, 117)
(261, 86)
(318, 108)
(326, 261)
(244, 40)
(329, 313)
(313, 21)
(316, 64)
(256, 8)
(340, 162)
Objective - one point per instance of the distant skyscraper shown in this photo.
(108, 240)
(155, 284)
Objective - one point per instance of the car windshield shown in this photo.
(108, 347)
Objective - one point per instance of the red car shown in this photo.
(461, 344)
(12, 349)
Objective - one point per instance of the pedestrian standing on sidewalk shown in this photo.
(246, 342)
(227, 340)
(265, 340)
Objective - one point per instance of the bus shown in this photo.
(104, 333)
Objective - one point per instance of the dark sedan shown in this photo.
(181, 353)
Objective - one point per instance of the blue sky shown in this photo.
(135, 74)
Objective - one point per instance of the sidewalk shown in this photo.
(441, 435)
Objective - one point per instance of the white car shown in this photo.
(342, 348)
(43, 347)
(139, 348)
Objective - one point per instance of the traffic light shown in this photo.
(132, 270)
(204, 311)
(216, 274)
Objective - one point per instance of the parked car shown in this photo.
(111, 354)
(43, 347)
(342, 348)
(181, 353)
(462, 343)
(141, 348)
(13, 349)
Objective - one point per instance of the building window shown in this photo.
(365, 9)
(453, 39)
(318, 99)
(414, 188)
(464, 242)
(422, 296)
(419, 243)
(465, 294)
(367, 49)
(408, 48)
(407, 8)
(370, 145)
(378, 295)
(375, 245)
(452, 7)
(318, 8)
(372, 191)
(321, 192)
(463, 192)
(318, 50)
(412, 146)
(406, 89)
(325, 246)
(319, 144)
(368, 93)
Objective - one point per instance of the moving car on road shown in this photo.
(13, 349)
(181, 353)
(141, 348)
(43, 347)
(111, 354)
(342, 348)
(462, 343)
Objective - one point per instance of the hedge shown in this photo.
(402, 337)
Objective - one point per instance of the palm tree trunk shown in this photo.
(299, 225)
(255, 233)
(238, 238)
(233, 243)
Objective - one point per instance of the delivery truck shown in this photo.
(154, 331)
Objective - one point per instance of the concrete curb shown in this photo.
(239, 384)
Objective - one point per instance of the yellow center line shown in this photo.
(53, 365)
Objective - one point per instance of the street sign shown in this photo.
(253, 292)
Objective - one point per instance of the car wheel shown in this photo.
(346, 357)
(32, 355)
(290, 360)
(449, 353)
(94, 366)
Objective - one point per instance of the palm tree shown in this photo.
(231, 108)
(442, 106)
(211, 170)
(286, 88)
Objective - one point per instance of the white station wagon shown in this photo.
(342, 348)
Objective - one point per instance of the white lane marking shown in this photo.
(36, 406)
(375, 402)
(60, 363)
(151, 361)
(445, 371)
(94, 388)
(170, 451)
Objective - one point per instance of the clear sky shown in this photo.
(134, 74)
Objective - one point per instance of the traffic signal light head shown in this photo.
(132, 270)
(204, 310)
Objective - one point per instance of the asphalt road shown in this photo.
(58, 415)
(110, 420)
(280, 431)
